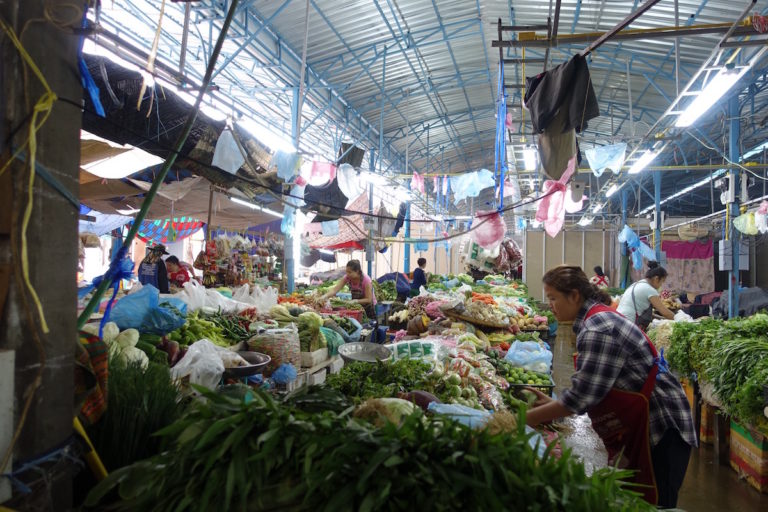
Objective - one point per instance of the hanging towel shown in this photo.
(349, 181)
(606, 157)
(421, 246)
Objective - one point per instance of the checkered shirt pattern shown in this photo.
(613, 353)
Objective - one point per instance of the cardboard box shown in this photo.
(707, 428)
(749, 455)
(688, 389)
(310, 359)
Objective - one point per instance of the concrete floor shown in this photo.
(708, 486)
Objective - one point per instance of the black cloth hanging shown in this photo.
(567, 86)
(400, 218)
(328, 201)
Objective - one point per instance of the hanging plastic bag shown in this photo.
(349, 181)
(490, 231)
(227, 155)
(471, 184)
(746, 223)
(287, 165)
(144, 311)
(606, 157)
(468, 416)
(530, 356)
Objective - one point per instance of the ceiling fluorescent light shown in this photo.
(256, 207)
(586, 221)
(643, 161)
(612, 190)
(529, 157)
(714, 90)
(596, 208)
(324, 251)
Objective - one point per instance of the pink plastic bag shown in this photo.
(490, 233)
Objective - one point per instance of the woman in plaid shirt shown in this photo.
(636, 406)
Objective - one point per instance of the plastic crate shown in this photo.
(357, 314)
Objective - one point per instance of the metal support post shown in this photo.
(657, 209)
(369, 249)
(289, 269)
(624, 255)
(733, 148)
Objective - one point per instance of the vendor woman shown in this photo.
(636, 406)
(641, 298)
(360, 285)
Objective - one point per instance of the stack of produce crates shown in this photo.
(749, 455)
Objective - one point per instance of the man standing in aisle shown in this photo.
(419, 277)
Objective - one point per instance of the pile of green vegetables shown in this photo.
(360, 381)
(385, 291)
(732, 355)
(259, 454)
(140, 402)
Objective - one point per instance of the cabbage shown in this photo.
(111, 331)
(92, 329)
(311, 319)
(133, 355)
(381, 411)
(128, 338)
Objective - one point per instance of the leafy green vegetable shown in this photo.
(264, 455)
(139, 403)
(360, 381)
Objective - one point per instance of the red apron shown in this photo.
(622, 422)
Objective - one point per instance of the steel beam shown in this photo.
(734, 238)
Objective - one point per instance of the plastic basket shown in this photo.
(357, 314)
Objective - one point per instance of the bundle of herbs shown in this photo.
(360, 381)
(140, 402)
(264, 455)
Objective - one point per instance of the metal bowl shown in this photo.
(364, 352)
(256, 363)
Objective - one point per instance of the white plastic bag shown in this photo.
(196, 296)
(202, 364)
(682, 316)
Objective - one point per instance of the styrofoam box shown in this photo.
(301, 380)
(317, 378)
(310, 359)
(336, 365)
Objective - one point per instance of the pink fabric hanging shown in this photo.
(417, 182)
(763, 208)
(491, 232)
(508, 121)
(555, 197)
(322, 172)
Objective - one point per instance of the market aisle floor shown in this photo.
(708, 487)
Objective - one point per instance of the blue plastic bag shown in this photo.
(465, 415)
(530, 355)
(402, 284)
(470, 184)
(145, 311)
(606, 157)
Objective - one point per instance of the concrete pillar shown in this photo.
(51, 241)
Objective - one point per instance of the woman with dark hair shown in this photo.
(152, 269)
(600, 279)
(641, 298)
(360, 285)
(177, 272)
(636, 406)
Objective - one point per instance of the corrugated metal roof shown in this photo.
(436, 80)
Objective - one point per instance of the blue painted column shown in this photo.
(624, 256)
(288, 256)
(657, 209)
(406, 245)
(369, 248)
(733, 233)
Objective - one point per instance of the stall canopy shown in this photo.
(167, 231)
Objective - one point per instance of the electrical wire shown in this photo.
(737, 164)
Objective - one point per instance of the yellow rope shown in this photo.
(43, 106)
